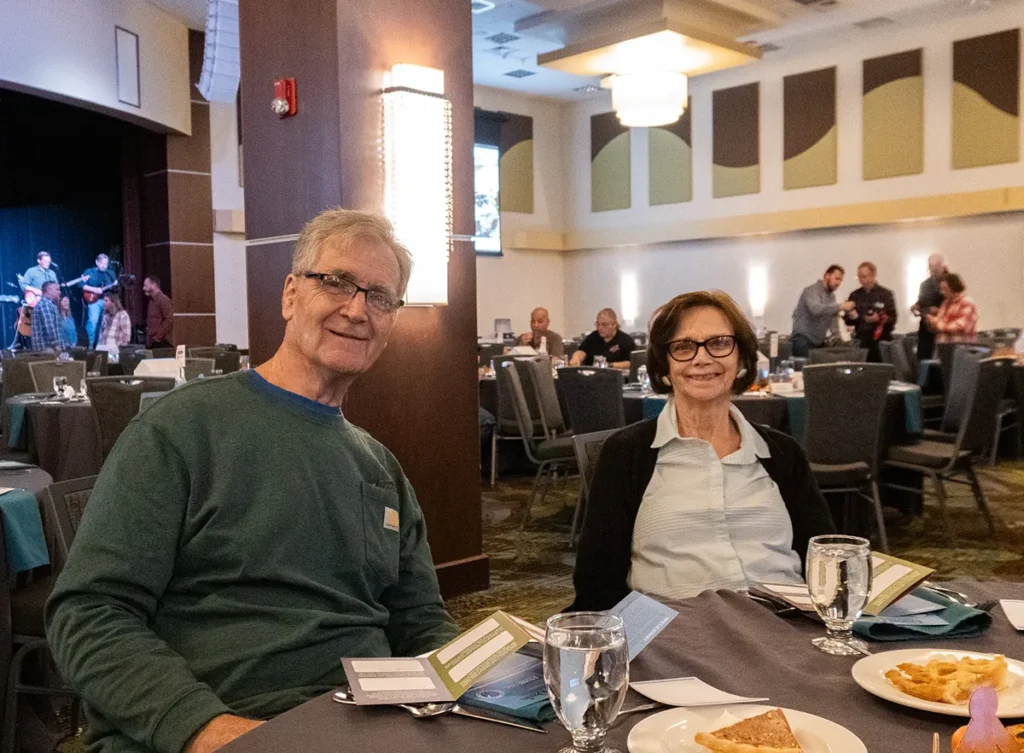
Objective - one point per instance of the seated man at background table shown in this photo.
(243, 536)
(540, 333)
(606, 341)
(874, 314)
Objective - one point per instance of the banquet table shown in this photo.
(24, 540)
(63, 439)
(721, 637)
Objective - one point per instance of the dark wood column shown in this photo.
(421, 398)
(177, 216)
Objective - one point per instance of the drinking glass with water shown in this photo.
(644, 378)
(839, 581)
(59, 383)
(586, 671)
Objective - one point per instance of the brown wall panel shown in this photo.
(299, 155)
(153, 210)
(266, 266)
(195, 330)
(192, 272)
(296, 167)
(190, 208)
(192, 152)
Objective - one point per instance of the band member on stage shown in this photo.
(117, 326)
(96, 281)
(159, 315)
(47, 325)
(68, 323)
(34, 277)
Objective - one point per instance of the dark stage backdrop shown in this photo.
(60, 191)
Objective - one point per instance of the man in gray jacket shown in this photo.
(816, 312)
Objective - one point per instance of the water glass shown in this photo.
(839, 580)
(59, 383)
(644, 378)
(586, 671)
(600, 362)
(244, 363)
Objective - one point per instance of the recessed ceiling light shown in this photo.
(481, 6)
(588, 89)
(502, 38)
(520, 73)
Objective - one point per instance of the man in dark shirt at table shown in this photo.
(97, 280)
(874, 314)
(929, 297)
(159, 315)
(606, 341)
(243, 536)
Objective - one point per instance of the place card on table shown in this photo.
(688, 691)
(643, 618)
(1014, 611)
(445, 674)
(892, 580)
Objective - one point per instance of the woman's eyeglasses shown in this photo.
(717, 347)
(346, 290)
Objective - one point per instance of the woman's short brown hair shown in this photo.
(666, 322)
(955, 282)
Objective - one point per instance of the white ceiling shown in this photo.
(803, 27)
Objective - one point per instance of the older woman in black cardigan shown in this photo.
(697, 498)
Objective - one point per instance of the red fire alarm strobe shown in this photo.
(285, 103)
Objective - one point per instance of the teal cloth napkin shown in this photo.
(912, 420)
(16, 426)
(515, 687)
(653, 406)
(23, 531)
(962, 622)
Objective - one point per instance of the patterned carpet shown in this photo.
(531, 571)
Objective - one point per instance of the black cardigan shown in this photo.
(624, 470)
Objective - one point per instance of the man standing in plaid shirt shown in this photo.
(47, 327)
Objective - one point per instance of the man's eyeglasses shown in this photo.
(717, 347)
(345, 290)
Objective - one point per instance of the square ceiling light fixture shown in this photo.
(645, 57)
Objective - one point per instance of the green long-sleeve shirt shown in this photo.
(239, 541)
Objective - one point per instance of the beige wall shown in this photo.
(987, 251)
(65, 48)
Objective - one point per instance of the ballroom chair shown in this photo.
(945, 352)
(130, 360)
(17, 379)
(506, 425)
(955, 461)
(957, 399)
(1008, 419)
(587, 448)
(549, 455)
(571, 346)
(593, 398)
(63, 504)
(44, 372)
(199, 367)
(487, 351)
(226, 360)
(116, 402)
(845, 423)
(637, 359)
(165, 352)
(95, 360)
(542, 382)
(838, 355)
(146, 399)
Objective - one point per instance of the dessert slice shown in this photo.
(765, 733)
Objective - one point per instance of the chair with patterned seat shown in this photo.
(116, 402)
(44, 372)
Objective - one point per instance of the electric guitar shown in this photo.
(91, 297)
(33, 294)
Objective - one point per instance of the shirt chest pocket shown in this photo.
(381, 532)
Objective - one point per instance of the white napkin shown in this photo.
(688, 691)
(1014, 611)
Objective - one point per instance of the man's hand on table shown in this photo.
(220, 731)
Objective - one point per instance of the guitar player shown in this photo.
(95, 282)
(34, 277)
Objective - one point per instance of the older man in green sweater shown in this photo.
(243, 536)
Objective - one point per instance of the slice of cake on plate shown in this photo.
(765, 733)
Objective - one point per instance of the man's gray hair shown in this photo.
(343, 227)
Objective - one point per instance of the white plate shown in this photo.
(672, 731)
(870, 671)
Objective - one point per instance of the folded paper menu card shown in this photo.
(456, 667)
(892, 578)
(443, 675)
(688, 691)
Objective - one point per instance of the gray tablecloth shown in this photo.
(723, 638)
(64, 439)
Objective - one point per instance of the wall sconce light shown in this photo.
(757, 292)
(418, 175)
